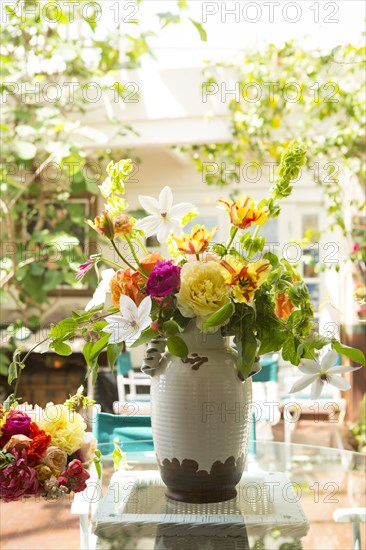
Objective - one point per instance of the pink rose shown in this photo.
(17, 442)
(18, 479)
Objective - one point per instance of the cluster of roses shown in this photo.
(44, 458)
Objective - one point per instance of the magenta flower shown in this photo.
(84, 268)
(17, 422)
(18, 479)
(164, 279)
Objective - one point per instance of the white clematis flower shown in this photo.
(100, 293)
(128, 326)
(318, 374)
(164, 217)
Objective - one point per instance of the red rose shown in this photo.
(17, 422)
(75, 468)
(74, 477)
(39, 445)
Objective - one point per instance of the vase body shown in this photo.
(201, 416)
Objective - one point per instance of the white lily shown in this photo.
(128, 326)
(100, 293)
(318, 374)
(164, 217)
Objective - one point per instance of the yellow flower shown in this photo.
(197, 242)
(244, 279)
(202, 291)
(244, 212)
(43, 472)
(66, 427)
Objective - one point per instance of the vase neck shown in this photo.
(195, 338)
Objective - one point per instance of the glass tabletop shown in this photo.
(291, 511)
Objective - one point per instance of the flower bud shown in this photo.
(104, 225)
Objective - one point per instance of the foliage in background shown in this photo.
(48, 154)
(287, 92)
(358, 430)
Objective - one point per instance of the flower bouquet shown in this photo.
(44, 452)
(183, 306)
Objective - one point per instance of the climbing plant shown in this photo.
(277, 93)
(60, 62)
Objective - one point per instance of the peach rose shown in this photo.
(150, 261)
(17, 442)
(55, 458)
(122, 225)
(126, 282)
(87, 450)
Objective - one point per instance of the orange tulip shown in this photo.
(284, 306)
(244, 212)
(150, 261)
(197, 242)
(244, 279)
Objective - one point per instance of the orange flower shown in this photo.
(38, 445)
(244, 212)
(197, 242)
(244, 279)
(284, 306)
(150, 261)
(127, 282)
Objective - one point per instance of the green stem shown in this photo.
(23, 361)
(256, 232)
(142, 269)
(109, 262)
(232, 238)
(122, 257)
(197, 257)
(144, 249)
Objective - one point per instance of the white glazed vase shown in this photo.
(201, 417)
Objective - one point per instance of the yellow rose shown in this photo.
(43, 472)
(66, 427)
(202, 291)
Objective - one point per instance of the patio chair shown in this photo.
(127, 376)
(266, 393)
(356, 516)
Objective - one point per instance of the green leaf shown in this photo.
(4, 364)
(98, 347)
(99, 326)
(63, 329)
(117, 456)
(145, 337)
(86, 352)
(13, 372)
(61, 348)
(219, 317)
(354, 354)
(167, 18)
(171, 327)
(201, 30)
(289, 350)
(113, 351)
(246, 344)
(177, 346)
